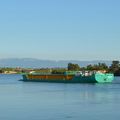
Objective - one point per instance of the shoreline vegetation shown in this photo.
(113, 68)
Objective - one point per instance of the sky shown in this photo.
(60, 29)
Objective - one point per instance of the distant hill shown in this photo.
(37, 63)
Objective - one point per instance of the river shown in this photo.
(58, 101)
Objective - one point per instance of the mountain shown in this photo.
(37, 63)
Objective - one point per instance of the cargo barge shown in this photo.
(68, 77)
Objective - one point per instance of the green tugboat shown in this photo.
(70, 77)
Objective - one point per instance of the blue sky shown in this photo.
(60, 29)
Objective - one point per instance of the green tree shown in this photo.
(102, 66)
(99, 66)
(89, 67)
(115, 68)
(1, 71)
(73, 67)
(58, 71)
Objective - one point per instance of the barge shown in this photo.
(69, 77)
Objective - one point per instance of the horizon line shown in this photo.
(60, 59)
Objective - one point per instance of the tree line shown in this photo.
(113, 68)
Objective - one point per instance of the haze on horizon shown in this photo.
(60, 29)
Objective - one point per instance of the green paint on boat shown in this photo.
(70, 78)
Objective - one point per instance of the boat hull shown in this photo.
(95, 78)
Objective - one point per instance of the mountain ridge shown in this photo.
(40, 63)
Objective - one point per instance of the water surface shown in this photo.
(58, 101)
